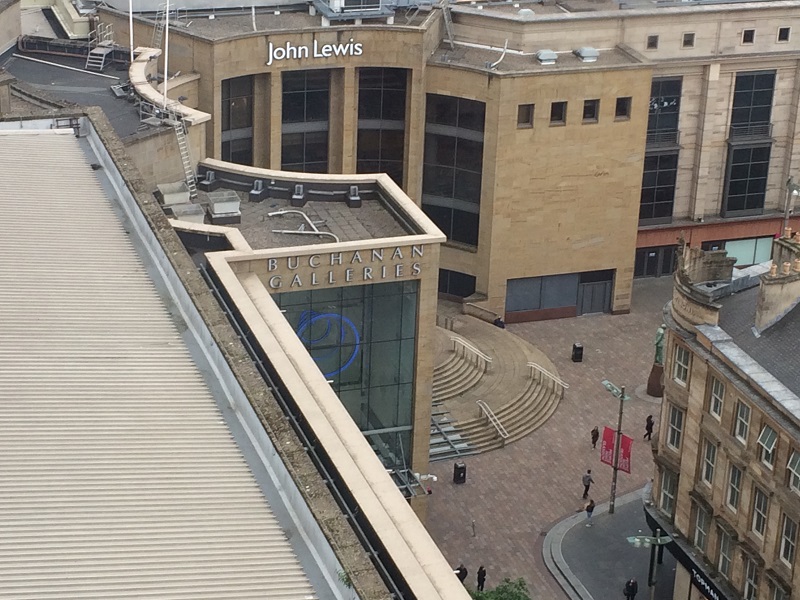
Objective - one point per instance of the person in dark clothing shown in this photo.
(587, 482)
(595, 437)
(481, 578)
(461, 572)
(631, 589)
(648, 428)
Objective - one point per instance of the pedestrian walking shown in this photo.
(481, 578)
(595, 437)
(631, 589)
(589, 510)
(648, 428)
(461, 572)
(587, 482)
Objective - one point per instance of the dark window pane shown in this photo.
(369, 142)
(441, 109)
(467, 186)
(469, 155)
(369, 104)
(465, 227)
(470, 114)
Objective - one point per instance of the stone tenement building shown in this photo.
(727, 486)
(562, 147)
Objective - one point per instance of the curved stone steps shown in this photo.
(455, 382)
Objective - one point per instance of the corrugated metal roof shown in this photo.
(118, 476)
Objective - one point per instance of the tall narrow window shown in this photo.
(701, 525)
(767, 441)
(788, 540)
(750, 579)
(734, 487)
(760, 510)
(675, 427)
(709, 461)
(742, 425)
(725, 554)
(680, 365)
(669, 489)
(306, 114)
(658, 187)
(793, 466)
(453, 166)
(716, 397)
(236, 120)
(381, 121)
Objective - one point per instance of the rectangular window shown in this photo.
(767, 441)
(675, 427)
(742, 425)
(558, 113)
(734, 487)
(746, 180)
(669, 488)
(725, 554)
(750, 579)
(777, 593)
(654, 261)
(236, 120)
(680, 366)
(652, 42)
(709, 461)
(701, 524)
(591, 110)
(658, 188)
(748, 36)
(793, 466)
(525, 116)
(752, 101)
(788, 541)
(760, 509)
(688, 40)
(622, 110)
(783, 34)
(716, 397)
(305, 116)
(664, 110)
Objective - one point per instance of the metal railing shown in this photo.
(485, 411)
(470, 350)
(663, 138)
(536, 368)
(750, 130)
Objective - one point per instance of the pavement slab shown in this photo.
(516, 494)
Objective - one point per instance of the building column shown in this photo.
(415, 135)
(261, 120)
(349, 121)
(275, 112)
(336, 118)
(702, 194)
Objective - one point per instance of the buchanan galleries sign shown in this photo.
(315, 50)
(343, 268)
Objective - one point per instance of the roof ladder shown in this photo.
(161, 21)
(448, 22)
(186, 158)
(101, 47)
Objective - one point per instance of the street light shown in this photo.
(652, 542)
(792, 191)
(617, 392)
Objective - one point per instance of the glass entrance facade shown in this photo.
(363, 339)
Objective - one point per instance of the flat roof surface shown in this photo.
(370, 221)
(120, 477)
(777, 349)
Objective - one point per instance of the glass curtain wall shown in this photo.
(381, 121)
(237, 120)
(305, 117)
(363, 339)
(453, 164)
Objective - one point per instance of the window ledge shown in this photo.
(460, 246)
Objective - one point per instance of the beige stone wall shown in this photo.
(10, 24)
(157, 156)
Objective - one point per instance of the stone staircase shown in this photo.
(455, 376)
(520, 417)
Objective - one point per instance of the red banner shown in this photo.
(625, 446)
(607, 449)
(607, 446)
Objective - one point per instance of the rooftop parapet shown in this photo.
(780, 288)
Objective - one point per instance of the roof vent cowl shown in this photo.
(587, 54)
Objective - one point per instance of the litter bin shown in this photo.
(577, 352)
(459, 473)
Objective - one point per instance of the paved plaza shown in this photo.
(516, 494)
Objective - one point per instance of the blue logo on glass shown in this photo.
(331, 338)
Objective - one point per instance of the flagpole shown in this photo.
(616, 453)
(166, 55)
(130, 25)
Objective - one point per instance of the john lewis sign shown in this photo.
(291, 51)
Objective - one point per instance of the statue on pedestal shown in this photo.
(655, 384)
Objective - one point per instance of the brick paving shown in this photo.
(516, 493)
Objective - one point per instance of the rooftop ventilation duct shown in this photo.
(525, 14)
(587, 54)
(546, 57)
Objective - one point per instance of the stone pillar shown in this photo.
(704, 195)
(261, 120)
(349, 120)
(275, 111)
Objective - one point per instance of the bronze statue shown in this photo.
(659, 344)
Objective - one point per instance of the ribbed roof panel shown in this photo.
(118, 476)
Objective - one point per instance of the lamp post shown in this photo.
(792, 191)
(652, 542)
(617, 392)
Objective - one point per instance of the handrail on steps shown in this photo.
(457, 341)
(492, 418)
(559, 381)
